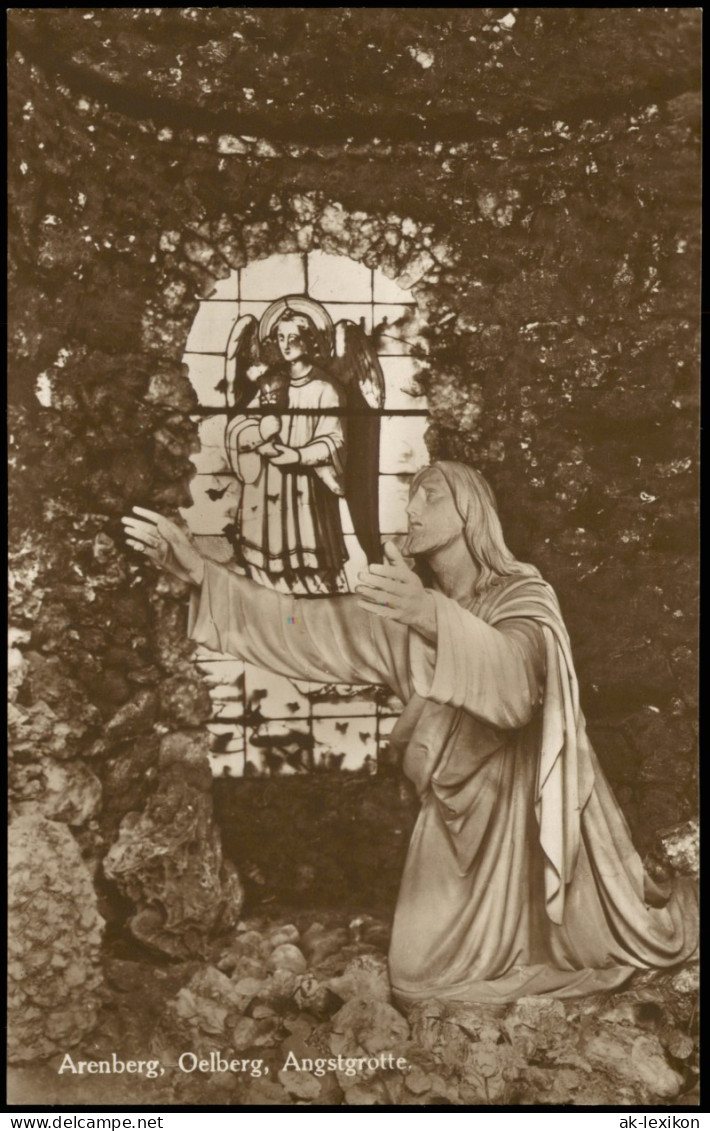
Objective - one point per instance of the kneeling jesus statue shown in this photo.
(521, 877)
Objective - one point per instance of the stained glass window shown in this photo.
(263, 723)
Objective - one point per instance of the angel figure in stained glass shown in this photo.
(305, 435)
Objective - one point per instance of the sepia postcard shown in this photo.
(353, 435)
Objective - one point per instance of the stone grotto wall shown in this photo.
(553, 249)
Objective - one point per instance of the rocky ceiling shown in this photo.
(394, 72)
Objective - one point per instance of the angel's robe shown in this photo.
(288, 527)
(521, 877)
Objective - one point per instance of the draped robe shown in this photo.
(288, 520)
(521, 877)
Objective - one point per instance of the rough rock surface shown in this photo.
(376, 68)
(72, 793)
(54, 938)
(168, 862)
(632, 1048)
(682, 848)
(551, 242)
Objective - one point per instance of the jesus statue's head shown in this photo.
(449, 503)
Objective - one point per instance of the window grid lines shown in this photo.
(353, 738)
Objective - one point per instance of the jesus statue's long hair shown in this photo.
(476, 504)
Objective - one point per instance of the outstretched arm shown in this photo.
(326, 640)
(493, 672)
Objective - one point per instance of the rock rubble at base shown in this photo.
(322, 992)
(316, 995)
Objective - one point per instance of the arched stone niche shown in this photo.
(262, 723)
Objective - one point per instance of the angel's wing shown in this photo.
(243, 362)
(355, 362)
(356, 366)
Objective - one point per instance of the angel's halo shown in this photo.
(299, 304)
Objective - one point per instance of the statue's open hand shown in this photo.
(394, 591)
(165, 543)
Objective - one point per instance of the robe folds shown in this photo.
(288, 519)
(521, 877)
